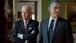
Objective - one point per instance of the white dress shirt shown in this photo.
(55, 19)
(25, 21)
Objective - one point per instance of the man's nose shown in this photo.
(57, 9)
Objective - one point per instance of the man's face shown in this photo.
(26, 13)
(54, 10)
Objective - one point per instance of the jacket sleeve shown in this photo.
(40, 40)
(68, 33)
(14, 34)
(34, 35)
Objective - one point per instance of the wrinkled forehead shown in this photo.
(57, 5)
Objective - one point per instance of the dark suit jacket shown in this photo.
(19, 28)
(62, 32)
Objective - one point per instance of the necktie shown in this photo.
(25, 25)
(50, 31)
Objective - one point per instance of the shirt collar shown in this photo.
(25, 21)
(52, 18)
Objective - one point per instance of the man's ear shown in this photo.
(49, 9)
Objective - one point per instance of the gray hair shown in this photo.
(53, 1)
(27, 7)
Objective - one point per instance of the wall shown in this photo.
(45, 13)
(20, 4)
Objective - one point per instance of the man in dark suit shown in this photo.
(26, 29)
(55, 29)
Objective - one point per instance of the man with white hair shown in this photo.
(26, 28)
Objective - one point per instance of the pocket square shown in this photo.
(30, 28)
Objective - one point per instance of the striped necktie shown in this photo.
(50, 32)
(25, 25)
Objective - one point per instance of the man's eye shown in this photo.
(59, 7)
(55, 7)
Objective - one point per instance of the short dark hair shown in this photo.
(53, 1)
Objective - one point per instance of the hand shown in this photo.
(32, 32)
(26, 41)
(18, 34)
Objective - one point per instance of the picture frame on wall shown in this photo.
(19, 15)
(70, 12)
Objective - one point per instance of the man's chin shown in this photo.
(25, 19)
(55, 16)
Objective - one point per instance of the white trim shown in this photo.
(15, 9)
(39, 15)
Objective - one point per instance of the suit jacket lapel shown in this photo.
(57, 27)
(29, 24)
(22, 26)
(46, 29)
